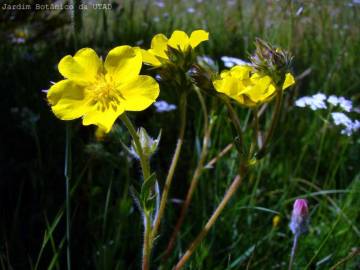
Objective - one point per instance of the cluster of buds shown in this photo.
(271, 61)
(300, 217)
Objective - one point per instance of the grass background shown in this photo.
(309, 157)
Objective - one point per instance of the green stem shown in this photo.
(146, 245)
(67, 174)
(145, 167)
(195, 178)
(169, 178)
(230, 192)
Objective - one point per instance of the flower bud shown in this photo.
(271, 61)
(148, 144)
(300, 217)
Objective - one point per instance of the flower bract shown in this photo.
(100, 92)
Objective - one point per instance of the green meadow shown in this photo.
(310, 155)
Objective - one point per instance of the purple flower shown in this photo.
(300, 217)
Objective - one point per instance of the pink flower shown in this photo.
(300, 217)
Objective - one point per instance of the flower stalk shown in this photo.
(145, 167)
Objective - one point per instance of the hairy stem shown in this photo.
(146, 244)
(145, 167)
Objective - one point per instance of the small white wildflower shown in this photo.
(232, 61)
(341, 119)
(349, 130)
(156, 19)
(207, 60)
(319, 97)
(315, 102)
(163, 106)
(345, 104)
(333, 100)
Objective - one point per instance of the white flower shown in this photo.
(333, 100)
(349, 126)
(315, 102)
(163, 106)
(341, 119)
(344, 103)
(206, 60)
(232, 61)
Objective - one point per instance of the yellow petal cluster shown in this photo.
(248, 88)
(100, 92)
(179, 40)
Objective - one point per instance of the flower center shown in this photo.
(104, 95)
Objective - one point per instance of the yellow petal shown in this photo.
(179, 40)
(123, 63)
(197, 37)
(103, 119)
(83, 68)
(227, 85)
(139, 93)
(260, 90)
(159, 45)
(150, 58)
(241, 72)
(68, 100)
(289, 80)
(225, 73)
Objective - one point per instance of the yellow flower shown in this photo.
(247, 88)
(179, 40)
(100, 92)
